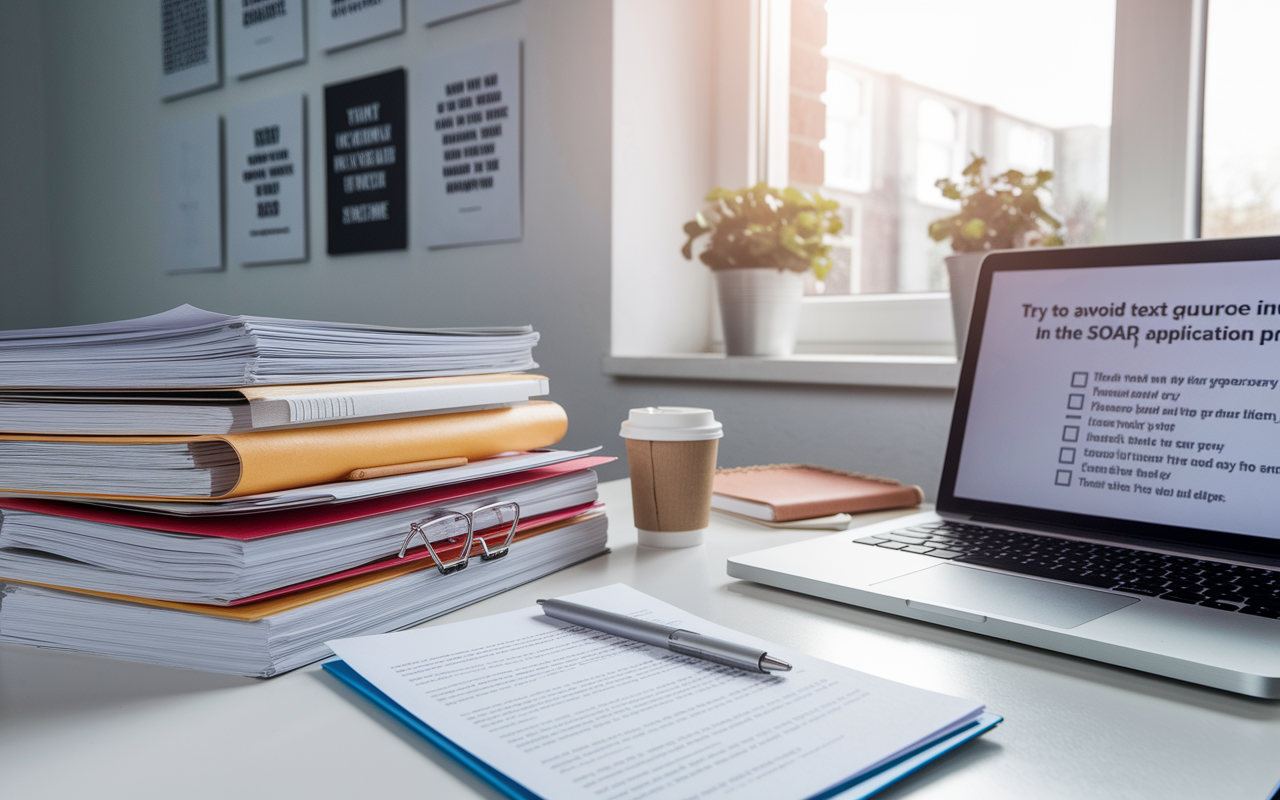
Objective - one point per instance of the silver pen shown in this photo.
(675, 639)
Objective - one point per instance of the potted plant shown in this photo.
(997, 213)
(762, 241)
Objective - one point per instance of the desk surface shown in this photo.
(73, 726)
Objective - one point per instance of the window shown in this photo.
(939, 149)
(915, 88)
(1241, 184)
(839, 95)
(847, 145)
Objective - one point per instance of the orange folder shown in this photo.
(272, 461)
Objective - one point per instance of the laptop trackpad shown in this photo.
(1000, 595)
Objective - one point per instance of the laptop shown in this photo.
(1111, 485)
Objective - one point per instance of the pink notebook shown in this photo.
(784, 492)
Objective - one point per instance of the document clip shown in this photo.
(490, 516)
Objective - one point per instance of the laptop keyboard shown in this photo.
(1247, 590)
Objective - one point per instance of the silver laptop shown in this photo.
(1111, 487)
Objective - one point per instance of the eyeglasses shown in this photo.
(482, 522)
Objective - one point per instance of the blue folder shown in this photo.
(854, 789)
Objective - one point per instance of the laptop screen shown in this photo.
(1147, 393)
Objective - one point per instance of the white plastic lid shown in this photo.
(672, 424)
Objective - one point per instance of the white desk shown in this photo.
(77, 727)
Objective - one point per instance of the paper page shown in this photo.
(574, 713)
(261, 35)
(189, 47)
(469, 133)
(266, 191)
(191, 194)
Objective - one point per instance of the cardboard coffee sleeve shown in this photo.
(671, 483)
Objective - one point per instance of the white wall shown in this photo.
(26, 276)
(663, 130)
(102, 117)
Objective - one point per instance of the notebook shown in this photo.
(787, 492)
(1109, 481)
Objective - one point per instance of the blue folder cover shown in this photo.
(854, 789)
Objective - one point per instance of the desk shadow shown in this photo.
(1083, 669)
(35, 682)
(428, 750)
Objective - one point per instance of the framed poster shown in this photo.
(470, 176)
(262, 35)
(435, 12)
(365, 163)
(191, 195)
(342, 23)
(266, 181)
(188, 47)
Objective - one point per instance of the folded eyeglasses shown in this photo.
(483, 523)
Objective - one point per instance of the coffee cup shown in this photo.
(671, 453)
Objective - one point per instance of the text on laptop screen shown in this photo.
(1145, 393)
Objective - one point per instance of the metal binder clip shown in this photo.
(421, 527)
(502, 549)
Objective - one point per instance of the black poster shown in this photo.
(365, 155)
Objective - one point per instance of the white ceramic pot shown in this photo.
(962, 270)
(760, 310)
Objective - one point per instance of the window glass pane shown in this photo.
(915, 88)
(1241, 187)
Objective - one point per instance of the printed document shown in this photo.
(574, 713)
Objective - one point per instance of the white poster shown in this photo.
(191, 195)
(470, 175)
(188, 46)
(341, 23)
(261, 35)
(266, 188)
(434, 12)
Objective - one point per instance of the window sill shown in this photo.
(915, 371)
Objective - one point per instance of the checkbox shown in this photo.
(1075, 402)
(1070, 433)
(1063, 478)
(1066, 455)
(1079, 380)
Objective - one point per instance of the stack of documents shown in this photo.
(191, 348)
(122, 412)
(542, 708)
(238, 464)
(235, 529)
(225, 559)
(284, 632)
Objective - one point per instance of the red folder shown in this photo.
(257, 525)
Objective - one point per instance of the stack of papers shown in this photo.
(210, 411)
(200, 467)
(220, 561)
(189, 347)
(279, 634)
(542, 708)
(229, 522)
